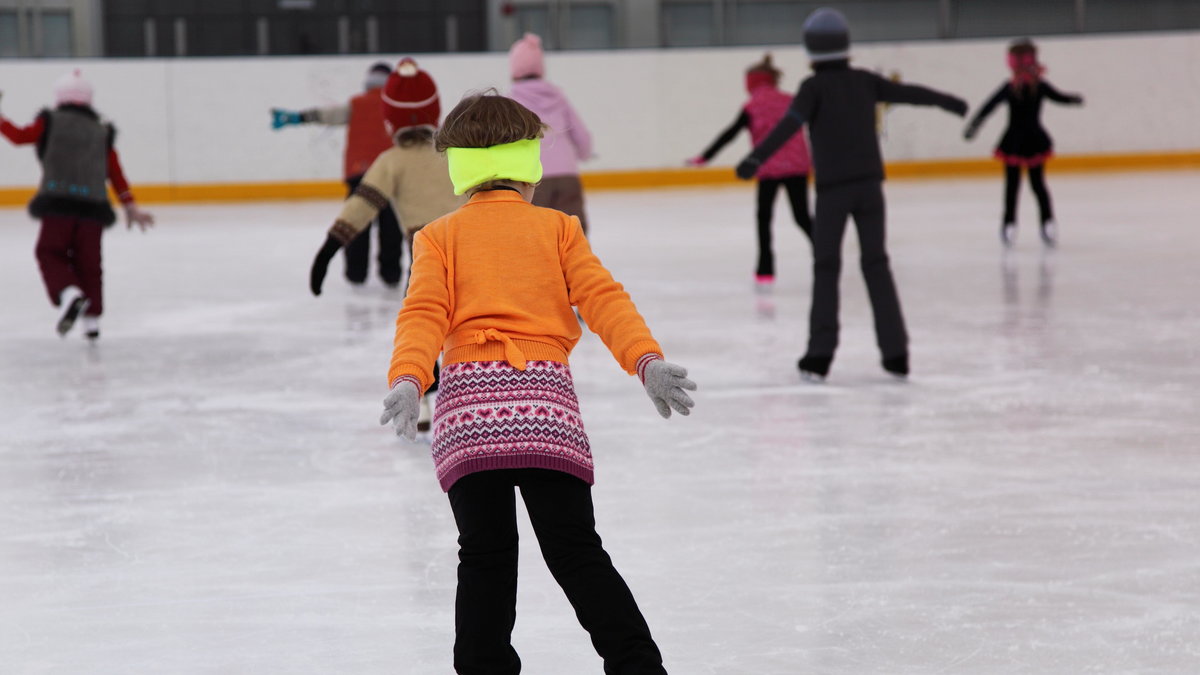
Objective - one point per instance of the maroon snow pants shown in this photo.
(68, 253)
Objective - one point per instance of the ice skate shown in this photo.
(897, 366)
(1050, 233)
(814, 368)
(91, 327)
(425, 415)
(76, 302)
(1008, 234)
(764, 284)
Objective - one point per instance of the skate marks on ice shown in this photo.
(208, 489)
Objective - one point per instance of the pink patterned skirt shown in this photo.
(489, 415)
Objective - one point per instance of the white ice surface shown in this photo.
(207, 491)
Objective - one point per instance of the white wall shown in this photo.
(206, 120)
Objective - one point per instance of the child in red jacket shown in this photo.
(76, 150)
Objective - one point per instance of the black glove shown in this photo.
(748, 167)
(321, 264)
(957, 106)
(971, 129)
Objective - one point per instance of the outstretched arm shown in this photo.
(888, 91)
(22, 135)
(332, 115)
(424, 319)
(374, 193)
(742, 121)
(116, 178)
(977, 120)
(1059, 97)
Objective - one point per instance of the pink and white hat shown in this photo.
(72, 89)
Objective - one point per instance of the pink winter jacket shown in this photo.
(567, 140)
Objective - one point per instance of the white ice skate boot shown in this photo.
(75, 302)
(1008, 234)
(425, 414)
(1050, 233)
(91, 327)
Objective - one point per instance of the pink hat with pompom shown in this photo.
(525, 57)
(72, 88)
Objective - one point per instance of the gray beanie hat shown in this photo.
(826, 35)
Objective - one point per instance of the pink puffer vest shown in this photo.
(768, 105)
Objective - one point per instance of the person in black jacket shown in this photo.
(1024, 143)
(838, 104)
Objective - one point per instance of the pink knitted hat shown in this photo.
(72, 88)
(525, 57)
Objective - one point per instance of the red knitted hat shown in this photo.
(410, 98)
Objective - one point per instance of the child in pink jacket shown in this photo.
(788, 167)
(567, 140)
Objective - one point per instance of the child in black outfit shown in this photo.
(838, 103)
(1024, 143)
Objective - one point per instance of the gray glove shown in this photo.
(401, 407)
(665, 384)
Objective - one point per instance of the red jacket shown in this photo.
(366, 136)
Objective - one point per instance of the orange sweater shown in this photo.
(496, 280)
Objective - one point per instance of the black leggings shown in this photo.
(485, 609)
(797, 191)
(391, 242)
(1037, 180)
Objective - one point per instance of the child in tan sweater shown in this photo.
(493, 286)
(411, 177)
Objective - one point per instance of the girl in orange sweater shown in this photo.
(492, 289)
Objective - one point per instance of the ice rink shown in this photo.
(207, 490)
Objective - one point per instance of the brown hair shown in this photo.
(487, 119)
(1022, 46)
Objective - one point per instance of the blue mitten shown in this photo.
(665, 384)
(401, 407)
(281, 118)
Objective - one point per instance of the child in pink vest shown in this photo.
(788, 168)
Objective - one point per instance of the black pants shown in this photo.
(797, 191)
(391, 241)
(1037, 181)
(560, 509)
(864, 201)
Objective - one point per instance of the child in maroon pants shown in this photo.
(75, 148)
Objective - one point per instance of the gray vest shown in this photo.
(75, 159)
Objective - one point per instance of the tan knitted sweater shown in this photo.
(413, 179)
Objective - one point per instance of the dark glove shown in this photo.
(321, 264)
(957, 106)
(748, 167)
(971, 130)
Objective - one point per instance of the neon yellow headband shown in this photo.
(519, 161)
